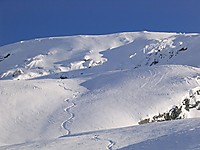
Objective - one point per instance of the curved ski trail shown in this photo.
(109, 146)
(64, 124)
(68, 109)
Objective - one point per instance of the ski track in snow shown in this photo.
(142, 86)
(71, 51)
(61, 84)
(109, 146)
(187, 81)
(161, 78)
(68, 109)
(64, 124)
(154, 74)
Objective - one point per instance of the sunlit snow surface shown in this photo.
(89, 92)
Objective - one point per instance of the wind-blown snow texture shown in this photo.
(90, 92)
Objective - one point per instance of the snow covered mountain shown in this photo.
(91, 92)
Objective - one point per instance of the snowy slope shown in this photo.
(91, 91)
(172, 135)
(42, 57)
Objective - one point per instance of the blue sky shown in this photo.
(28, 19)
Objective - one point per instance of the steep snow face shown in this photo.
(69, 87)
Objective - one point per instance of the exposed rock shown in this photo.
(144, 121)
(17, 73)
(183, 49)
